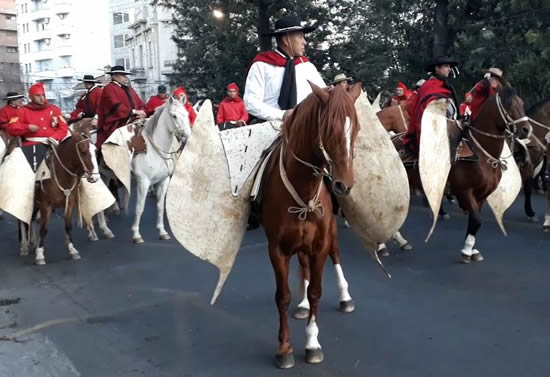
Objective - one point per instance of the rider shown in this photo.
(402, 95)
(181, 95)
(119, 103)
(38, 123)
(15, 101)
(88, 104)
(277, 80)
(437, 86)
(341, 80)
(157, 101)
(232, 108)
(465, 109)
(492, 83)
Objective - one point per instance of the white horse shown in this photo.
(155, 167)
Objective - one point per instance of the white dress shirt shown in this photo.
(263, 86)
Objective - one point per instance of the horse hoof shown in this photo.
(301, 313)
(346, 224)
(446, 216)
(314, 356)
(347, 306)
(75, 256)
(116, 212)
(93, 238)
(533, 219)
(40, 262)
(477, 257)
(407, 247)
(23, 253)
(285, 361)
(164, 237)
(384, 252)
(466, 259)
(109, 235)
(138, 240)
(546, 228)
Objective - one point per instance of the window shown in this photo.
(149, 54)
(26, 9)
(120, 18)
(120, 40)
(10, 17)
(66, 61)
(140, 56)
(120, 62)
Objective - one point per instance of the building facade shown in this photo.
(10, 79)
(59, 42)
(152, 50)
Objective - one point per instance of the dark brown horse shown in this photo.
(317, 140)
(69, 162)
(500, 117)
(539, 117)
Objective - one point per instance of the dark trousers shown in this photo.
(34, 154)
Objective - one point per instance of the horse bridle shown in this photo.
(510, 132)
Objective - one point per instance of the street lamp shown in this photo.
(217, 13)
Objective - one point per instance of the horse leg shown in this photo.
(113, 187)
(468, 253)
(402, 242)
(546, 226)
(302, 311)
(45, 212)
(73, 252)
(142, 188)
(160, 194)
(102, 222)
(382, 250)
(92, 235)
(528, 185)
(314, 352)
(285, 354)
(346, 302)
(444, 213)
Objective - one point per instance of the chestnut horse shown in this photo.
(395, 118)
(500, 117)
(318, 140)
(73, 159)
(539, 117)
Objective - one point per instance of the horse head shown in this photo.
(512, 113)
(178, 113)
(338, 127)
(86, 152)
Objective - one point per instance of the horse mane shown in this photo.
(536, 107)
(153, 121)
(307, 113)
(508, 93)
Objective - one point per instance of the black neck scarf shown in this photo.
(447, 84)
(127, 90)
(288, 96)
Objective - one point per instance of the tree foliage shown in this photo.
(378, 42)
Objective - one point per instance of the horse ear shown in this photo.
(355, 91)
(321, 94)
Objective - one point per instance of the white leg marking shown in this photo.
(469, 245)
(103, 225)
(72, 250)
(547, 220)
(400, 240)
(312, 332)
(381, 247)
(342, 284)
(39, 258)
(304, 303)
(92, 235)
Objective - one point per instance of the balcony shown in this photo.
(63, 48)
(65, 72)
(138, 74)
(62, 6)
(44, 74)
(44, 35)
(45, 54)
(41, 13)
(64, 28)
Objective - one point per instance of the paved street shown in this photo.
(127, 310)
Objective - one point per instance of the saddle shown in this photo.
(137, 143)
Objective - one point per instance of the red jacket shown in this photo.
(48, 118)
(154, 102)
(6, 113)
(231, 110)
(465, 109)
(480, 92)
(115, 109)
(431, 90)
(88, 104)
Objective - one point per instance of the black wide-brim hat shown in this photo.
(88, 78)
(441, 60)
(10, 96)
(118, 69)
(289, 24)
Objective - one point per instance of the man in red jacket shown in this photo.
(119, 103)
(436, 87)
(181, 95)
(11, 110)
(232, 108)
(402, 95)
(88, 104)
(156, 101)
(491, 84)
(38, 123)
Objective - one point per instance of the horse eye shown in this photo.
(174, 116)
